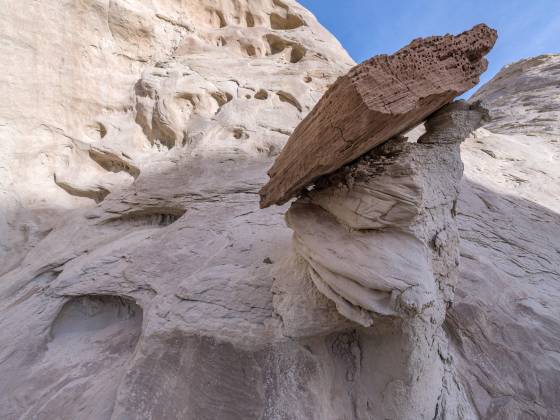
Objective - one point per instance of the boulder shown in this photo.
(376, 100)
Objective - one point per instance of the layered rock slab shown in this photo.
(375, 101)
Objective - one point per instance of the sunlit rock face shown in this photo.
(100, 92)
(137, 274)
(505, 322)
(524, 98)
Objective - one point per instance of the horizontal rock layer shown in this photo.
(375, 101)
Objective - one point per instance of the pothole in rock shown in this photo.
(284, 19)
(261, 95)
(95, 192)
(249, 19)
(97, 318)
(290, 21)
(222, 98)
(295, 51)
(96, 131)
(289, 98)
(91, 340)
(213, 18)
(239, 133)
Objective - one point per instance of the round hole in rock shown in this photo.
(249, 19)
(94, 319)
(96, 130)
(290, 21)
(250, 50)
(261, 95)
(297, 54)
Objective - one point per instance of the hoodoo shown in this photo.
(414, 277)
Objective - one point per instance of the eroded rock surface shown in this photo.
(375, 101)
(505, 322)
(380, 239)
(524, 98)
(134, 141)
(137, 273)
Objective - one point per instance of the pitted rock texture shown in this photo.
(100, 101)
(376, 100)
(133, 143)
(380, 239)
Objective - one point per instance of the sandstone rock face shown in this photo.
(136, 270)
(380, 239)
(505, 322)
(137, 273)
(100, 91)
(377, 100)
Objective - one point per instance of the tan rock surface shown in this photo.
(375, 101)
(524, 98)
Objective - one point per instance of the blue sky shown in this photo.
(368, 27)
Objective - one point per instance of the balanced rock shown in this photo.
(379, 239)
(375, 101)
(388, 212)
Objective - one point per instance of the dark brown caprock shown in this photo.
(376, 100)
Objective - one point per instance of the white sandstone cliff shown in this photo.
(505, 322)
(137, 272)
(134, 140)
